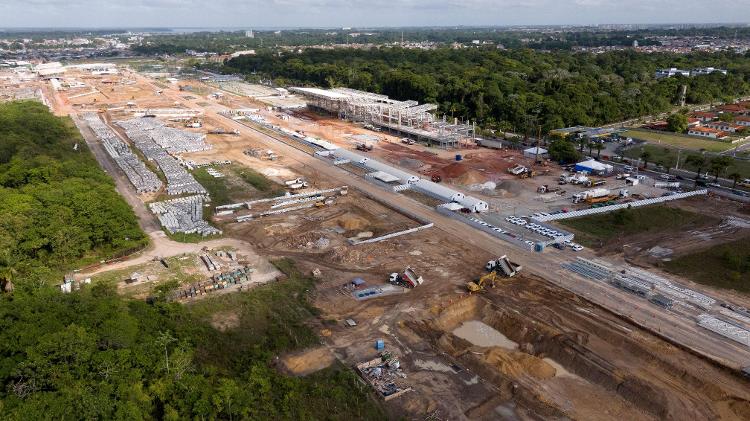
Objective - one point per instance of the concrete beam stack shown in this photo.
(151, 142)
(183, 215)
(142, 178)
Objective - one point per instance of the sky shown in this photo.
(359, 13)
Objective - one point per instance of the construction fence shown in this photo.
(605, 209)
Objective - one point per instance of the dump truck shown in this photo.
(503, 265)
(295, 181)
(518, 169)
(407, 278)
(590, 194)
(547, 189)
(297, 186)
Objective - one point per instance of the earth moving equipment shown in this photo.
(517, 170)
(547, 189)
(364, 147)
(436, 178)
(482, 283)
(503, 265)
(408, 278)
(527, 173)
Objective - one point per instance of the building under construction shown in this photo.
(405, 117)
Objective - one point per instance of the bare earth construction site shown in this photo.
(352, 200)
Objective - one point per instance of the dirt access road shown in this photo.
(546, 265)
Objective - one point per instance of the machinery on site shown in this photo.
(436, 178)
(504, 265)
(364, 147)
(495, 268)
(482, 283)
(517, 170)
(407, 141)
(578, 178)
(547, 189)
(408, 278)
(599, 196)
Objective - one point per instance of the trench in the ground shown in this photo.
(518, 354)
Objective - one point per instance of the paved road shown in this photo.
(545, 265)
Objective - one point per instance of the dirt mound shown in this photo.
(515, 364)
(472, 177)
(224, 321)
(453, 171)
(411, 163)
(351, 222)
(308, 361)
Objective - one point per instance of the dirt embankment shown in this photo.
(551, 361)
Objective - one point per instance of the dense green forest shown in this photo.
(509, 89)
(542, 38)
(59, 209)
(92, 355)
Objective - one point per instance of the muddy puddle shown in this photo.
(480, 334)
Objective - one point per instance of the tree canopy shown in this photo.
(514, 89)
(59, 208)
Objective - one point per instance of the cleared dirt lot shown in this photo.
(539, 353)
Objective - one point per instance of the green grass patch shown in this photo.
(217, 188)
(667, 156)
(190, 238)
(679, 140)
(723, 266)
(596, 230)
(260, 182)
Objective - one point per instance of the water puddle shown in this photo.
(480, 334)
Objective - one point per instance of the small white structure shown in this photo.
(534, 152)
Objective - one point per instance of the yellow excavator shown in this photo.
(481, 284)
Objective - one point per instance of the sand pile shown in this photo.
(308, 361)
(516, 364)
(351, 222)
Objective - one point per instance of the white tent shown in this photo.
(532, 152)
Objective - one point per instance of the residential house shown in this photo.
(707, 132)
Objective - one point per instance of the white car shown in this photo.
(577, 247)
(531, 243)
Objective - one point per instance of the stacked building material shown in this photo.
(183, 215)
(152, 143)
(142, 178)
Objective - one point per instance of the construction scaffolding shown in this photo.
(404, 117)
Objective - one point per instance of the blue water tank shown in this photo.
(379, 344)
(459, 157)
(539, 247)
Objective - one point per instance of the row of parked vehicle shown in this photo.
(498, 230)
(542, 230)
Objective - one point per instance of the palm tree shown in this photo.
(735, 177)
(598, 148)
(645, 155)
(696, 161)
(719, 164)
(590, 145)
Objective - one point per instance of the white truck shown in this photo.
(408, 278)
(590, 194)
(295, 181)
(518, 169)
(503, 265)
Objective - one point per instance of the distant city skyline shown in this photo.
(362, 13)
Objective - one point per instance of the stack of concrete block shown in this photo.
(183, 215)
(179, 180)
(143, 179)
